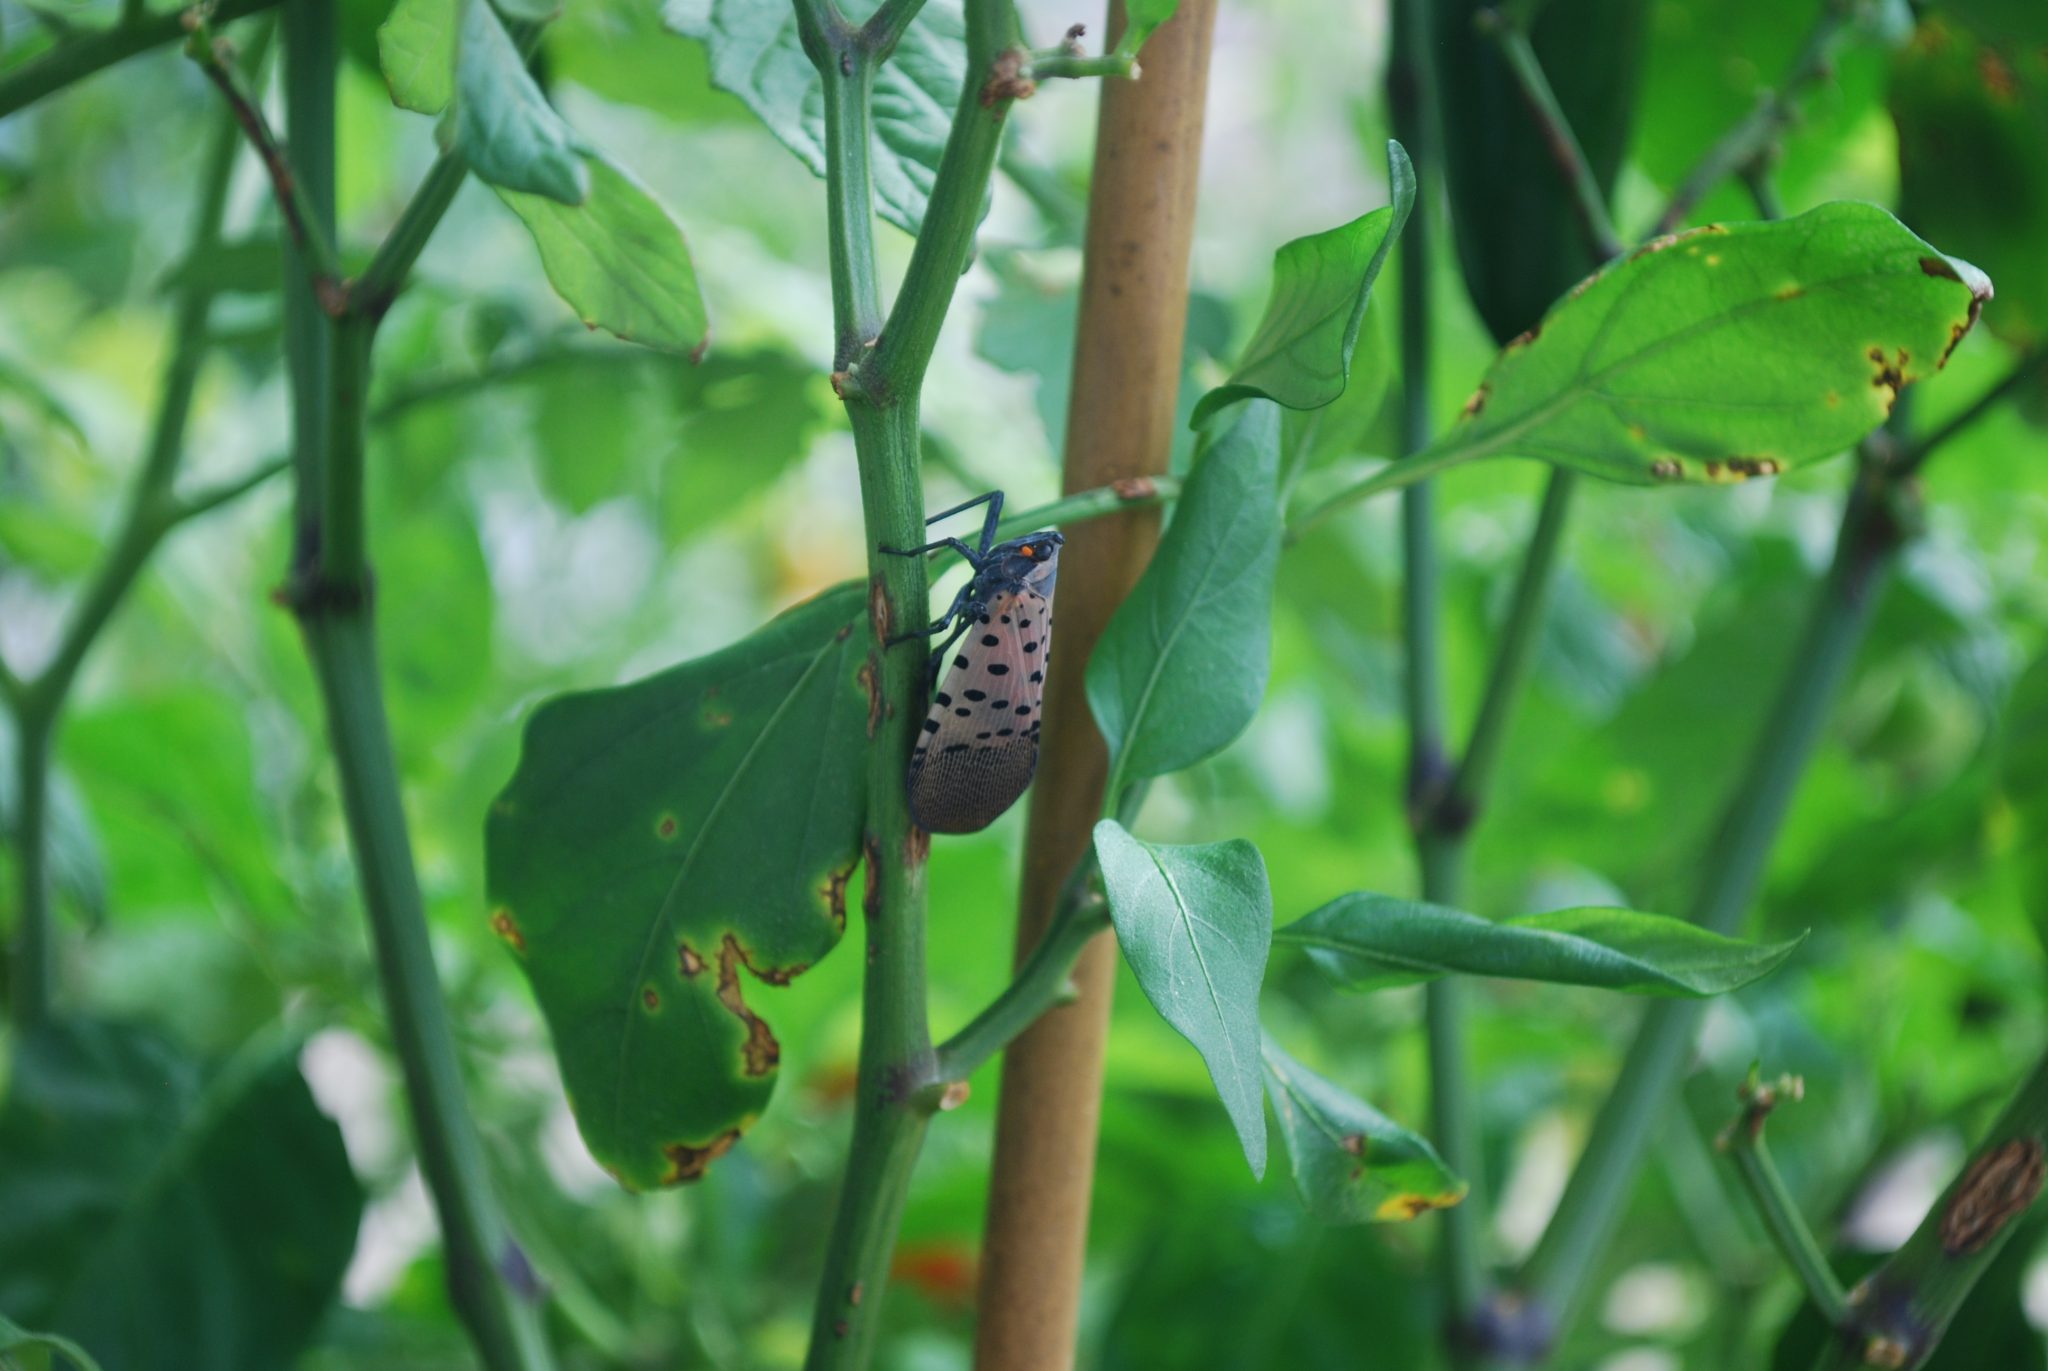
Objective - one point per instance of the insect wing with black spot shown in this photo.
(980, 741)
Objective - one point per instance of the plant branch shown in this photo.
(995, 58)
(373, 291)
(1896, 1315)
(39, 701)
(887, 25)
(1752, 139)
(75, 59)
(1511, 35)
(309, 232)
(1874, 526)
(2031, 368)
(1040, 984)
(209, 498)
(1743, 1141)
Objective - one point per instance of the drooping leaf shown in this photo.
(1195, 923)
(756, 54)
(618, 259)
(512, 137)
(1972, 118)
(143, 1212)
(1368, 942)
(1719, 354)
(1519, 239)
(1301, 353)
(21, 1350)
(1352, 1164)
(416, 49)
(1142, 19)
(666, 849)
(1181, 668)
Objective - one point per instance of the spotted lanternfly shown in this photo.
(979, 745)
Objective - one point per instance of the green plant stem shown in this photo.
(898, 361)
(1048, 66)
(881, 385)
(1897, 1314)
(1092, 504)
(74, 59)
(1040, 984)
(1872, 531)
(373, 291)
(2029, 369)
(1515, 651)
(890, 21)
(150, 514)
(310, 44)
(1751, 139)
(1511, 34)
(1788, 1230)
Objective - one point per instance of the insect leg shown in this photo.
(973, 558)
(939, 653)
(938, 625)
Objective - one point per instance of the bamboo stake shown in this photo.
(1127, 361)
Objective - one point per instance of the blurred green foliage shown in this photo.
(554, 512)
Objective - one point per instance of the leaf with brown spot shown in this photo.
(755, 756)
(1351, 1163)
(1741, 339)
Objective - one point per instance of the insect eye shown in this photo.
(1027, 550)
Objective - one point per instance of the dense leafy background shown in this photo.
(551, 514)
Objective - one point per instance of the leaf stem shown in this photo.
(1040, 984)
(1743, 1141)
(74, 59)
(1751, 139)
(1511, 34)
(1073, 66)
(880, 381)
(373, 291)
(1898, 1314)
(887, 25)
(1092, 504)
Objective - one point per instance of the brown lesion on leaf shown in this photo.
(1477, 402)
(1998, 1188)
(1523, 339)
(1997, 75)
(1742, 468)
(1941, 268)
(715, 713)
(1956, 333)
(1407, 1207)
(1891, 375)
(688, 1162)
(507, 928)
(1667, 469)
(651, 998)
(1791, 292)
(834, 892)
(688, 961)
(760, 1053)
(666, 827)
(917, 847)
(1656, 245)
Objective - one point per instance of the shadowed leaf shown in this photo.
(1195, 923)
(144, 1211)
(1301, 354)
(1368, 942)
(665, 852)
(1351, 1163)
(1182, 666)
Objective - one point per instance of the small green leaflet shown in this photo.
(1351, 1163)
(1301, 353)
(1369, 942)
(1194, 924)
(416, 48)
(666, 852)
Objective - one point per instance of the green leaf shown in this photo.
(1142, 19)
(163, 1218)
(1182, 666)
(1301, 354)
(664, 849)
(1719, 354)
(618, 260)
(416, 49)
(1352, 1164)
(1368, 942)
(1519, 239)
(28, 1351)
(756, 54)
(1195, 924)
(512, 137)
